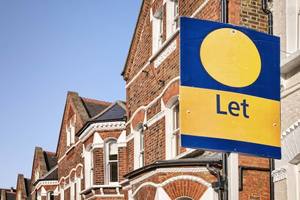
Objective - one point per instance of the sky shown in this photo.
(49, 47)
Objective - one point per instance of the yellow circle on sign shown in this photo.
(230, 57)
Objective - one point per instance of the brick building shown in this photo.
(158, 168)
(91, 149)
(132, 150)
(23, 188)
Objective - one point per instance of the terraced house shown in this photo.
(132, 150)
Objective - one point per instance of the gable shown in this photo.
(38, 165)
(141, 32)
(78, 110)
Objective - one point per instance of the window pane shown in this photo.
(113, 148)
(113, 172)
(176, 117)
(113, 157)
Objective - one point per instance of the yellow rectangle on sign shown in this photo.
(229, 115)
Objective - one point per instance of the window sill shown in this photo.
(164, 45)
(189, 151)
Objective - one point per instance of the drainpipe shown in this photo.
(224, 11)
(264, 4)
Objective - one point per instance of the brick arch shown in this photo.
(146, 193)
(171, 91)
(185, 188)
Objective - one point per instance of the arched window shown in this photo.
(173, 142)
(139, 147)
(184, 198)
(111, 158)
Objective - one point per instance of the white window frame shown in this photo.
(89, 167)
(62, 193)
(157, 30)
(108, 162)
(172, 16)
(172, 135)
(78, 188)
(70, 130)
(139, 150)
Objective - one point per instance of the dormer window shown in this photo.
(70, 130)
(158, 28)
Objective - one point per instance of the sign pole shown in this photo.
(233, 181)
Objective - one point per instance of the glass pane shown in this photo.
(113, 172)
(141, 140)
(113, 148)
(176, 117)
(113, 157)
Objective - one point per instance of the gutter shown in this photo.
(174, 163)
(264, 7)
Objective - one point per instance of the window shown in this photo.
(172, 17)
(62, 193)
(175, 130)
(89, 168)
(142, 152)
(157, 33)
(139, 147)
(184, 198)
(111, 152)
(175, 13)
(173, 143)
(50, 196)
(70, 129)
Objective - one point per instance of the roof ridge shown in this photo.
(96, 101)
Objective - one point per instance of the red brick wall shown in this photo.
(147, 86)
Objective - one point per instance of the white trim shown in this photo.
(129, 137)
(279, 174)
(158, 116)
(172, 37)
(289, 130)
(200, 8)
(74, 145)
(173, 179)
(118, 125)
(165, 54)
(41, 183)
(106, 195)
(169, 170)
(145, 107)
(121, 142)
(161, 194)
(73, 169)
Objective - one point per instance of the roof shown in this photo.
(50, 159)
(115, 112)
(94, 107)
(28, 186)
(53, 175)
